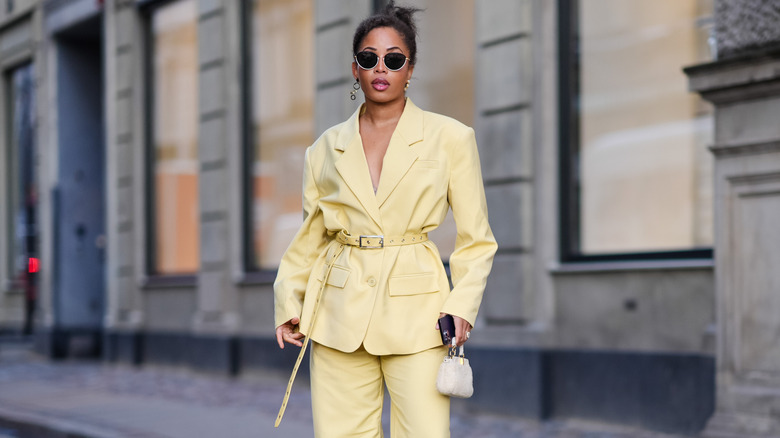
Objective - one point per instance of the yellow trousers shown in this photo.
(347, 391)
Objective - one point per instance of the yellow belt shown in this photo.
(364, 241)
(377, 241)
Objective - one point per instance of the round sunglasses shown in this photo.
(394, 61)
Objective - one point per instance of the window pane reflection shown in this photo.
(283, 121)
(23, 190)
(645, 171)
(175, 126)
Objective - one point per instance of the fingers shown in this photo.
(279, 339)
(462, 330)
(287, 333)
(294, 338)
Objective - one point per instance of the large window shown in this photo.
(636, 174)
(282, 78)
(21, 178)
(174, 224)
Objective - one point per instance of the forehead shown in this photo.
(383, 38)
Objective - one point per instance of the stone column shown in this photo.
(335, 23)
(744, 85)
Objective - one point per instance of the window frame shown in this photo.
(147, 9)
(569, 194)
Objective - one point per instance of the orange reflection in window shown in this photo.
(283, 121)
(176, 225)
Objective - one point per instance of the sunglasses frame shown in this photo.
(406, 60)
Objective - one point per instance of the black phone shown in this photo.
(447, 329)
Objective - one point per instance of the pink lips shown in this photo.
(380, 84)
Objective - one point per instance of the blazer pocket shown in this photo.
(413, 284)
(338, 276)
(428, 164)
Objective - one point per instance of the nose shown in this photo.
(380, 65)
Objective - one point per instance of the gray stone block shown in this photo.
(498, 19)
(126, 290)
(125, 244)
(125, 27)
(212, 140)
(124, 161)
(124, 204)
(213, 241)
(125, 70)
(169, 309)
(509, 85)
(748, 122)
(333, 55)
(211, 39)
(510, 212)
(333, 106)
(212, 285)
(506, 294)
(212, 90)
(257, 310)
(209, 6)
(213, 187)
(329, 11)
(124, 116)
(639, 311)
(505, 145)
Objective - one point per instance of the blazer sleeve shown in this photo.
(475, 245)
(296, 264)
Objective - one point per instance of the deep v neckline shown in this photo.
(368, 164)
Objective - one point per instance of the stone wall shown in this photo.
(746, 25)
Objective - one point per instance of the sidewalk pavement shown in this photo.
(78, 399)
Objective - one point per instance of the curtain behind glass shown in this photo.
(645, 171)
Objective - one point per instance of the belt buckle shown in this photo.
(368, 244)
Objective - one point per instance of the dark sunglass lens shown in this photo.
(395, 61)
(367, 60)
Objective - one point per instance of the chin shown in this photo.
(384, 98)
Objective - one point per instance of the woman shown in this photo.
(361, 280)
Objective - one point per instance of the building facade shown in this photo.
(152, 157)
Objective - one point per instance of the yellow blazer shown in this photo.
(388, 299)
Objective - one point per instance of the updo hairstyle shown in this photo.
(397, 17)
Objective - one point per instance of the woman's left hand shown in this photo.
(462, 329)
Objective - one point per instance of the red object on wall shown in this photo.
(32, 265)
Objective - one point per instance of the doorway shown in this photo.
(79, 197)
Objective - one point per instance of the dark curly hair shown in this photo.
(397, 17)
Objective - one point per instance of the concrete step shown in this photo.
(742, 425)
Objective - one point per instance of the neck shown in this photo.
(379, 114)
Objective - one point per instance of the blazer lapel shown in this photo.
(400, 155)
(353, 168)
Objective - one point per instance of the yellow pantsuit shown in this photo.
(347, 392)
(386, 301)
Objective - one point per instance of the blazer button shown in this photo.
(372, 281)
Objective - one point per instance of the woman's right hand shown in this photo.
(288, 332)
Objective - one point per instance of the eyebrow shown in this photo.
(389, 48)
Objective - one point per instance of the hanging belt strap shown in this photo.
(330, 264)
(364, 241)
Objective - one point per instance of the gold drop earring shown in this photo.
(406, 87)
(355, 87)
